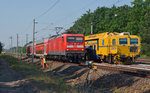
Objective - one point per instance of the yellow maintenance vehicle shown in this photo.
(113, 47)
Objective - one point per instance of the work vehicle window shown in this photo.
(79, 39)
(114, 41)
(123, 41)
(102, 42)
(70, 39)
(133, 41)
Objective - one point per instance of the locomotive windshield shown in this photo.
(133, 41)
(70, 39)
(79, 39)
(74, 39)
(123, 41)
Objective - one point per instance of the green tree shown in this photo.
(134, 19)
(1, 47)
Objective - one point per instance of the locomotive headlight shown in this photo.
(80, 46)
(70, 46)
(82, 49)
(67, 49)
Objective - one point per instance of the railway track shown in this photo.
(135, 70)
(138, 69)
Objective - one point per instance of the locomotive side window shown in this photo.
(62, 39)
(133, 41)
(114, 41)
(123, 41)
(70, 39)
(79, 39)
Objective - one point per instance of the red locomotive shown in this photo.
(66, 46)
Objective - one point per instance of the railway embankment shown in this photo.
(17, 76)
(102, 81)
(73, 78)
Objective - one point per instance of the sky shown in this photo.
(16, 17)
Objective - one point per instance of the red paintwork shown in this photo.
(57, 44)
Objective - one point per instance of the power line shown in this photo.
(48, 9)
(118, 1)
(69, 15)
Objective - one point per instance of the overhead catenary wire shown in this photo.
(50, 8)
(47, 27)
(118, 1)
(66, 16)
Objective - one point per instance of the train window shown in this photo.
(70, 39)
(123, 41)
(114, 41)
(102, 42)
(79, 39)
(133, 41)
(62, 39)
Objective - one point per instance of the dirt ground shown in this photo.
(13, 82)
(102, 81)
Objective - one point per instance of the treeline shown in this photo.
(134, 19)
(21, 49)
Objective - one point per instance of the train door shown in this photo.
(112, 50)
(45, 48)
(113, 46)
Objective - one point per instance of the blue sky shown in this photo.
(16, 16)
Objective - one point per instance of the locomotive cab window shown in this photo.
(74, 39)
(133, 41)
(123, 41)
(70, 39)
(79, 39)
(114, 41)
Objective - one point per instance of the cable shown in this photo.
(118, 1)
(66, 17)
(48, 9)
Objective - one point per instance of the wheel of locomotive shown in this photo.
(112, 59)
(109, 59)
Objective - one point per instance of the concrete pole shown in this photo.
(17, 46)
(33, 40)
(91, 28)
(26, 38)
(11, 45)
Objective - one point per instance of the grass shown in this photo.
(145, 56)
(48, 83)
(44, 81)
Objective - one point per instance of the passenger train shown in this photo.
(65, 47)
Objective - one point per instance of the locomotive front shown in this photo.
(128, 48)
(75, 47)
